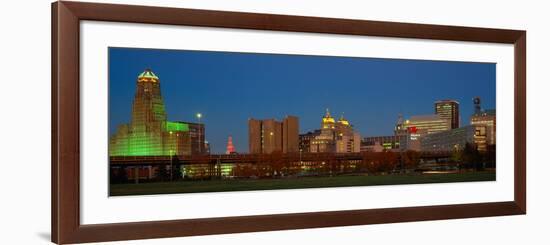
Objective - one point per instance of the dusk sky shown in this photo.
(228, 88)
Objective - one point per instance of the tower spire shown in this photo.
(327, 114)
(328, 121)
(230, 148)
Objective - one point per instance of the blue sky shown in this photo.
(228, 88)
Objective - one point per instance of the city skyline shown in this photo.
(229, 88)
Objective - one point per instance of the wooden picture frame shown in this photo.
(65, 175)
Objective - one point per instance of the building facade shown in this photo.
(381, 143)
(269, 135)
(488, 119)
(449, 140)
(306, 139)
(449, 110)
(427, 124)
(198, 135)
(455, 139)
(409, 132)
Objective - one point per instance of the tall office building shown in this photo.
(149, 133)
(290, 134)
(197, 137)
(448, 109)
(270, 135)
(334, 136)
(255, 136)
(272, 139)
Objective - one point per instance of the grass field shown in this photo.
(294, 183)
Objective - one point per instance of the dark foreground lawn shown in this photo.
(294, 183)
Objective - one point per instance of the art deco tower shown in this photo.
(148, 115)
(143, 136)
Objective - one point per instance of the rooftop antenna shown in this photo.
(477, 105)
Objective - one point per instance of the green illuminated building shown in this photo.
(149, 133)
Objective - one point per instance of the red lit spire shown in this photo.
(230, 147)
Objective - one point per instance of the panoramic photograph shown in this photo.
(183, 121)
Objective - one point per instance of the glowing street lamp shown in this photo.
(300, 156)
(171, 165)
(199, 116)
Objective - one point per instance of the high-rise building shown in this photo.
(272, 138)
(255, 136)
(197, 136)
(448, 109)
(149, 133)
(335, 136)
(290, 134)
(270, 135)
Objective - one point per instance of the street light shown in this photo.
(199, 116)
(171, 165)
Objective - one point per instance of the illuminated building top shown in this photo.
(343, 121)
(334, 136)
(328, 120)
(148, 76)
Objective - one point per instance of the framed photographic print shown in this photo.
(177, 122)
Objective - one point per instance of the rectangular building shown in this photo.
(272, 137)
(448, 109)
(290, 134)
(307, 139)
(255, 136)
(347, 143)
(488, 119)
(269, 135)
(196, 137)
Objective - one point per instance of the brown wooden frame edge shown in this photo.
(66, 227)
